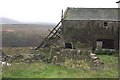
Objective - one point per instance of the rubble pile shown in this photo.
(71, 58)
(77, 58)
(27, 58)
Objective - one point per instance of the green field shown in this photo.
(45, 70)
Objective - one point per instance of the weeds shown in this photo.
(70, 69)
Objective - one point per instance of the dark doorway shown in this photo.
(69, 45)
(106, 43)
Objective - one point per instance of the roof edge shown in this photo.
(71, 8)
(87, 8)
(118, 1)
(65, 13)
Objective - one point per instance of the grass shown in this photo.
(44, 70)
(36, 70)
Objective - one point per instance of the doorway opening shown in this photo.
(105, 43)
(69, 45)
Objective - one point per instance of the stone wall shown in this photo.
(86, 31)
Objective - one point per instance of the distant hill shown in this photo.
(8, 21)
(4, 20)
(21, 34)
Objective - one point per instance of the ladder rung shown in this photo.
(50, 36)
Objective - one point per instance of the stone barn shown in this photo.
(95, 27)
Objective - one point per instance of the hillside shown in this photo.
(24, 35)
(8, 21)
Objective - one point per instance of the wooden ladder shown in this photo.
(52, 37)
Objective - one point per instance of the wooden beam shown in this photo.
(54, 33)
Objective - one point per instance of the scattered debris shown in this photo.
(71, 58)
(95, 59)
(5, 63)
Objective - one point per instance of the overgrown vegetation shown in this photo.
(105, 52)
(40, 69)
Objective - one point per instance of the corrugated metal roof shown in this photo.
(110, 14)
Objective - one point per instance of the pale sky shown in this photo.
(46, 10)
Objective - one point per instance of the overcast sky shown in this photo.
(46, 10)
